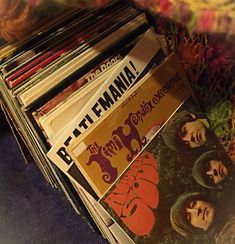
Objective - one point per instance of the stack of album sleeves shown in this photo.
(93, 99)
(48, 78)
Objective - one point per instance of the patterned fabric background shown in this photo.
(200, 16)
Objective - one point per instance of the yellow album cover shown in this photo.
(109, 147)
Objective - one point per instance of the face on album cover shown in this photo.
(180, 188)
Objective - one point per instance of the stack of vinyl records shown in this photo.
(49, 77)
(95, 99)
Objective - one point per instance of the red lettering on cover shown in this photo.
(136, 195)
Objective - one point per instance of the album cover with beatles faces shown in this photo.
(180, 188)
